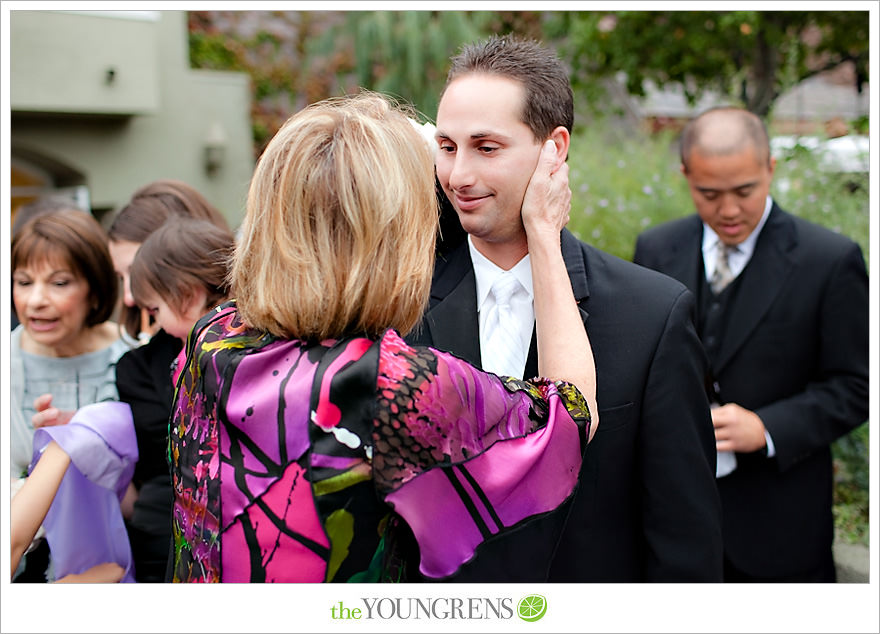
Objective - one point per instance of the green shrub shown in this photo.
(851, 486)
(623, 183)
(621, 187)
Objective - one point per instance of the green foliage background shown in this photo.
(752, 56)
(296, 57)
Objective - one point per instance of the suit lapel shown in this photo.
(576, 265)
(452, 318)
(762, 280)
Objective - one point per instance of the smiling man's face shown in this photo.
(487, 155)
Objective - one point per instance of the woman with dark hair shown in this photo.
(63, 355)
(37, 207)
(65, 292)
(180, 273)
(149, 207)
(143, 375)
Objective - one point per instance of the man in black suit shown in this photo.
(782, 309)
(647, 508)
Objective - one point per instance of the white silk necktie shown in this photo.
(504, 354)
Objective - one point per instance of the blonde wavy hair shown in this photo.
(341, 222)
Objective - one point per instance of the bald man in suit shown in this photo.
(782, 311)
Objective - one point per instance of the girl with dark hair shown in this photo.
(142, 375)
(149, 207)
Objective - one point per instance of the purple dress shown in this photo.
(295, 461)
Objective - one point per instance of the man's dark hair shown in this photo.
(549, 102)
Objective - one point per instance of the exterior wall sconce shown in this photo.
(215, 148)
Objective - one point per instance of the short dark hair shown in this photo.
(745, 128)
(154, 203)
(183, 254)
(549, 102)
(79, 240)
(149, 207)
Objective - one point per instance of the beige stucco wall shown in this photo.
(162, 138)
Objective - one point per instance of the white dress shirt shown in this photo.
(521, 304)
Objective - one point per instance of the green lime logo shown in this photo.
(532, 607)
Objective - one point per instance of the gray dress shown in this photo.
(73, 382)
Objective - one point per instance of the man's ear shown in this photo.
(562, 138)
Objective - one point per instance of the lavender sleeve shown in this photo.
(84, 525)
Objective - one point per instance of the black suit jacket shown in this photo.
(647, 508)
(795, 352)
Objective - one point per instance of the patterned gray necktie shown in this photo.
(504, 351)
(722, 275)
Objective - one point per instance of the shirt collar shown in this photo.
(485, 272)
(747, 246)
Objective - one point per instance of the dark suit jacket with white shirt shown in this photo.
(795, 351)
(647, 508)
